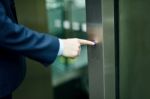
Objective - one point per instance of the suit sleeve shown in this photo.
(26, 42)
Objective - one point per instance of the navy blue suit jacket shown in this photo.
(17, 42)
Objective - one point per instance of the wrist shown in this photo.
(61, 47)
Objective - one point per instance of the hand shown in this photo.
(72, 46)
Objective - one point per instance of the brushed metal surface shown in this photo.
(101, 57)
(110, 43)
(134, 49)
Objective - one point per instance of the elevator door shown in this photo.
(102, 58)
(134, 49)
(119, 64)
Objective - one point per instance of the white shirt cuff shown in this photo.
(61, 47)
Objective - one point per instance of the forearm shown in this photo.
(24, 41)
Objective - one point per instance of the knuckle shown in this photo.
(78, 45)
(75, 53)
(78, 50)
(77, 40)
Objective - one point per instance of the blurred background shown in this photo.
(118, 67)
(66, 78)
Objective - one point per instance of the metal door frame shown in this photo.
(103, 60)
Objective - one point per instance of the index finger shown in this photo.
(86, 42)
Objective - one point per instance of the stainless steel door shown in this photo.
(101, 57)
(123, 31)
(134, 49)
